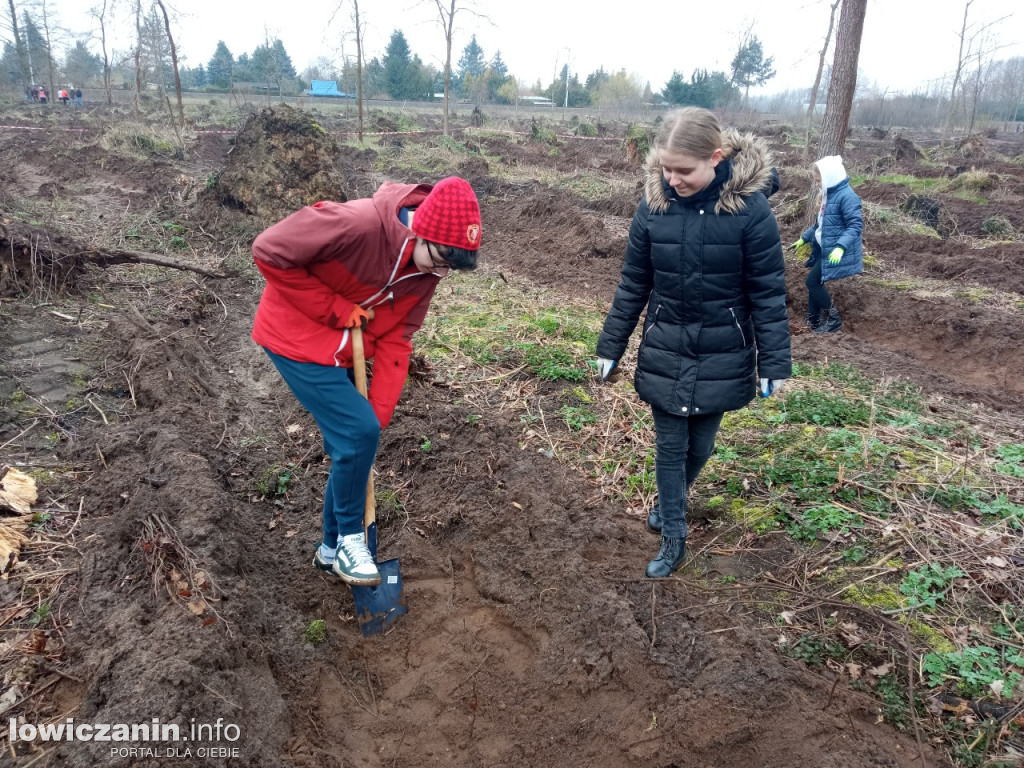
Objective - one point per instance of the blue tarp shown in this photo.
(327, 88)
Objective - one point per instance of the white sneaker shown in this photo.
(354, 563)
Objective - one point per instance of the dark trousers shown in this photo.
(351, 434)
(683, 446)
(818, 299)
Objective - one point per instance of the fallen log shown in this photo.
(35, 257)
(103, 258)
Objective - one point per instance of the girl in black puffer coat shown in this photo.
(705, 260)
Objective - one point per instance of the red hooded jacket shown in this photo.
(323, 260)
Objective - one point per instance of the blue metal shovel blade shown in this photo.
(377, 608)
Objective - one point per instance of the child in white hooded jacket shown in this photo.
(835, 239)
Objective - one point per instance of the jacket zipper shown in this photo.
(739, 328)
(654, 322)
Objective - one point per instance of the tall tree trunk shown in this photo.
(51, 70)
(359, 67)
(817, 78)
(174, 62)
(448, 23)
(101, 16)
(136, 107)
(843, 85)
(956, 77)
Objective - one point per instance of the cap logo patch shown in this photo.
(473, 233)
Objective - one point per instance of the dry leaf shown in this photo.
(517, 505)
(880, 670)
(854, 670)
(197, 606)
(787, 616)
(998, 562)
(289, 533)
(293, 429)
(996, 686)
(273, 523)
(851, 634)
(9, 698)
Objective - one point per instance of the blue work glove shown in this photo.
(836, 256)
(768, 387)
(607, 369)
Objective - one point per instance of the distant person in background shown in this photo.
(62, 94)
(42, 95)
(704, 259)
(372, 263)
(78, 97)
(835, 242)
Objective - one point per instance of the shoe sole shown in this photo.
(667, 575)
(356, 581)
(320, 565)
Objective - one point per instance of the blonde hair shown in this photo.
(691, 131)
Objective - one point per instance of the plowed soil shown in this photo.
(532, 638)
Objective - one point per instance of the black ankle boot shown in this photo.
(832, 322)
(815, 319)
(654, 520)
(670, 557)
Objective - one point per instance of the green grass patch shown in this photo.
(874, 485)
(917, 185)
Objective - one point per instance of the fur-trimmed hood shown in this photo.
(751, 172)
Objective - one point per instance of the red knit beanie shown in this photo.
(449, 215)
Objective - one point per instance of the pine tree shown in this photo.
(220, 68)
(397, 59)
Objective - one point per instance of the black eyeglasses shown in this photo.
(437, 258)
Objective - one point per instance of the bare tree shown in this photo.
(139, 80)
(174, 62)
(973, 44)
(843, 84)
(446, 12)
(102, 13)
(842, 87)
(49, 32)
(359, 64)
(360, 26)
(957, 74)
(817, 78)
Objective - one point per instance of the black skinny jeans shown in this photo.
(818, 299)
(684, 444)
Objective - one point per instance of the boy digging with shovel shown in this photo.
(374, 264)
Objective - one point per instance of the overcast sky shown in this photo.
(906, 43)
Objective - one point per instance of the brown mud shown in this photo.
(532, 638)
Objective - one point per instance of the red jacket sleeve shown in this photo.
(283, 252)
(308, 294)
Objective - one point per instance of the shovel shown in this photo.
(377, 608)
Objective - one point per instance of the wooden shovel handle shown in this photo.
(359, 366)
